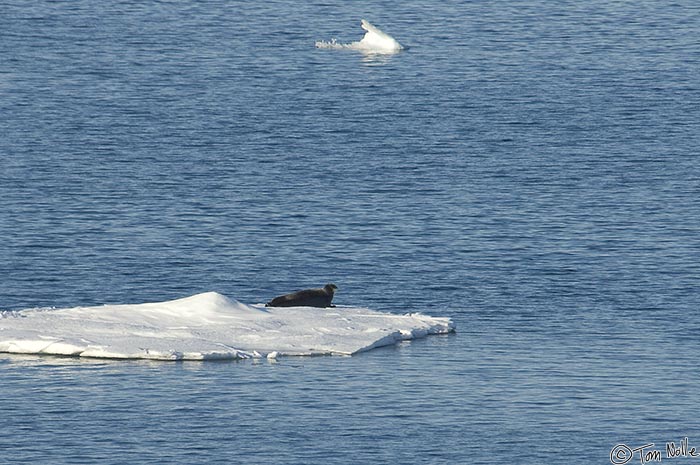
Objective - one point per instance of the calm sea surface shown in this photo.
(528, 168)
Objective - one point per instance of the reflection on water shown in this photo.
(376, 59)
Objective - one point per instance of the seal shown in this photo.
(307, 298)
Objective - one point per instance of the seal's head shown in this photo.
(330, 288)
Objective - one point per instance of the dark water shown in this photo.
(528, 168)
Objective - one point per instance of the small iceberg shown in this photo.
(375, 41)
(208, 326)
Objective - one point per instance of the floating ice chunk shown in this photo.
(374, 41)
(208, 326)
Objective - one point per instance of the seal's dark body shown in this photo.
(306, 298)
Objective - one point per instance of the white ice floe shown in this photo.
(374, 41)
(208, 326)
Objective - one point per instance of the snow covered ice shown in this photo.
(375, 41)
(208, 326)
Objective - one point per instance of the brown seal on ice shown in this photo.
(306, 298)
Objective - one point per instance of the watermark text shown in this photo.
(622, 454)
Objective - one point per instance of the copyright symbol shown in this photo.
(620, 454)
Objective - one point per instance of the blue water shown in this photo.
(527, 168)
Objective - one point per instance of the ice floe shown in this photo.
(375, 41)
(208, 326)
